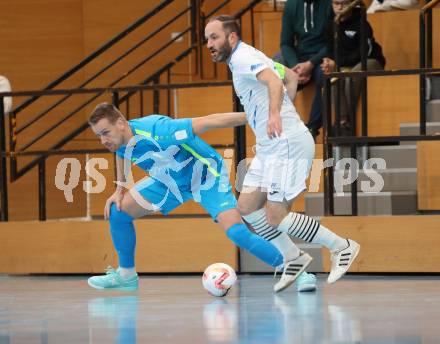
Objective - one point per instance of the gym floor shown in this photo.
(176, 309)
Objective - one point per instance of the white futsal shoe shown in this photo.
(342, 259)
(292, 269)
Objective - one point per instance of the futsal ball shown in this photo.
(218, 278)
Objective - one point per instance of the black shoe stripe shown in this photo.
(345, 254)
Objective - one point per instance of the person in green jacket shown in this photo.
(303, 46)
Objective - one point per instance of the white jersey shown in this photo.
(245, 63)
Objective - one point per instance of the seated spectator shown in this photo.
(303, 46)
(5, 86)
(350, 58)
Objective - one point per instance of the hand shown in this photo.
(328, 65)
(303, 80)
(116, 198)
(304, 71)
(274, 126)
(304, 68)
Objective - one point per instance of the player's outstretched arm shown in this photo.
(218, 120)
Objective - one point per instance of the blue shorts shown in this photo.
(215, 200)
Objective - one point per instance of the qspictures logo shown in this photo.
(199, 173)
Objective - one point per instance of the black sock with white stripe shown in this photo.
(280, 240)
(304, 227)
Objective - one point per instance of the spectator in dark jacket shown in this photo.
(303, 45)
(349, 47)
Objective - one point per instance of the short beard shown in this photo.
(224, 52)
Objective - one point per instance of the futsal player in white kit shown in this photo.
(284, 154)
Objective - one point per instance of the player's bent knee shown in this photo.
(243, 209)
(136, 207)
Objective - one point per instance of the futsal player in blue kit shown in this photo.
(181, 167)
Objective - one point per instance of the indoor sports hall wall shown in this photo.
(189, 245)
(45, 38)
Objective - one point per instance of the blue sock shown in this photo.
(241, 236)
(123, 235)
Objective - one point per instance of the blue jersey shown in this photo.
(167, 147)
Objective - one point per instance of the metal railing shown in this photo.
(43, 155)
(363, 54)
(195, 29)
(197, 38)
(97, 52)
(331, 141)
(425, 54)
(191, 29)
(425, 41)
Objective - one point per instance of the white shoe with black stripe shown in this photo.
(292, 269)
(342, 259)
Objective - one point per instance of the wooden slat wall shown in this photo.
(163, 245)
(194, 102)
(398, 34)
(41, 40)
(44, 40)
(390, 243)
(189, 245)
(428, 175)
(391, 101)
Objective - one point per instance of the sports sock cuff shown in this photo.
(238, 233)
(122, 215)
(255, 216)
(286, 223)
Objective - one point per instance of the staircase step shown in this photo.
(395, 179)
(432, 128)
(344, 152)
(433, 111)
(403, 156)
(434, 87)
(382, 203)
(397, 156)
